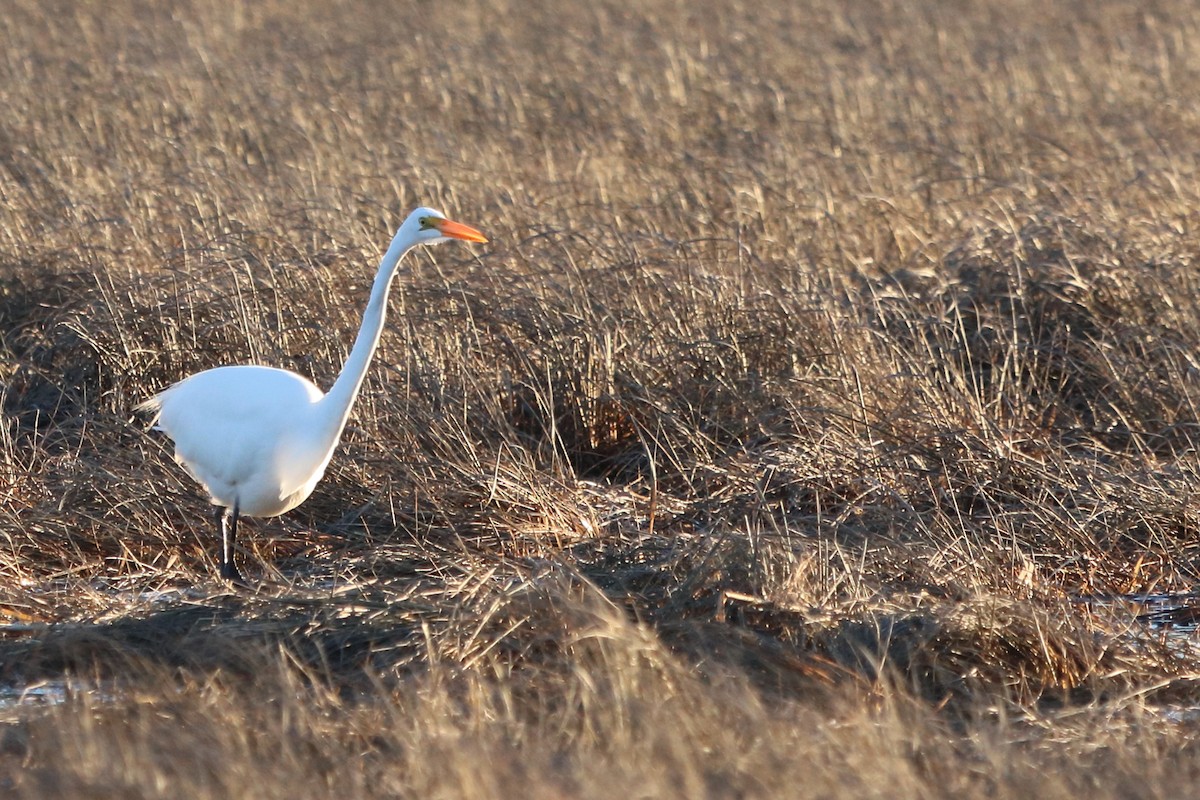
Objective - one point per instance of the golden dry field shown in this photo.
(817, 422)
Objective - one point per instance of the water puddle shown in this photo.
(1177, 613)
(49, 693)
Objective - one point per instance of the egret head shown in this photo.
(426, 226)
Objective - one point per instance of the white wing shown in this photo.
(243, 432)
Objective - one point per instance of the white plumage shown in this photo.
(259, 438)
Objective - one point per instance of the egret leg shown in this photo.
(228, 519)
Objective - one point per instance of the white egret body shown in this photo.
(259, 438)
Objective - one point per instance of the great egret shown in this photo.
(259, 438)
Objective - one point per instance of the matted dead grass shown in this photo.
(831, 369)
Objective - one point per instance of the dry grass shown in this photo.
(824, 358)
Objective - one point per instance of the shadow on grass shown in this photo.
(337, 640)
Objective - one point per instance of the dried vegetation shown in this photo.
(828, 362)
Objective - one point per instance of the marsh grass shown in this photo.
(831, 368)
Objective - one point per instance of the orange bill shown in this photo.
(456, 230)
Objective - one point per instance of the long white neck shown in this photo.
(335, 405)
